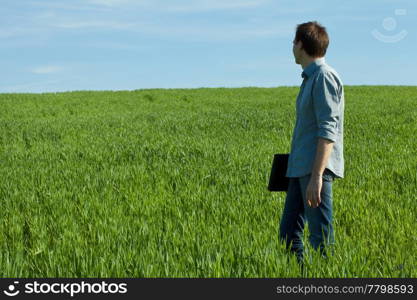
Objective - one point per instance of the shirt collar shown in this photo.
(311, 68)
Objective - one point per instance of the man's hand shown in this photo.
(314, 190)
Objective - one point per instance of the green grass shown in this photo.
(172, 183)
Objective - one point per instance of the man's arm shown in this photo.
(326, 103)
(324, 148)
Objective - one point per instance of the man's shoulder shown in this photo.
(326, 73)
(329, 72)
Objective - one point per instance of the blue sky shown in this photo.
(65, 45)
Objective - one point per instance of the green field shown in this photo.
(172, 183)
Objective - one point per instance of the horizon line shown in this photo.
(198, 88)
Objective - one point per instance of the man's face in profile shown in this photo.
(296, 50)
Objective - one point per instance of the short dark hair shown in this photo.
(313, 37)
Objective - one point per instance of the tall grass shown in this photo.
(172, 183)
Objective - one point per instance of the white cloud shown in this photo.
(94, 24)
(180, 5)
(117, 45)
(80, 6)
(13, 31)
(225, 32)
(114, 2)
(29, 87)
(207, 5)
(146, 22)
(201, 32)
(47, 69)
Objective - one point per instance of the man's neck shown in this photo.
(307, 60)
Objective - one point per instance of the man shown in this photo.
(316, 156)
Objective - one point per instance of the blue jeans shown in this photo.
(297, 211)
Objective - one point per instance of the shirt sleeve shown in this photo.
(327, 103)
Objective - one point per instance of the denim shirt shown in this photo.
(319, 113)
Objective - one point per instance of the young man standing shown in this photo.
(316, 156)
